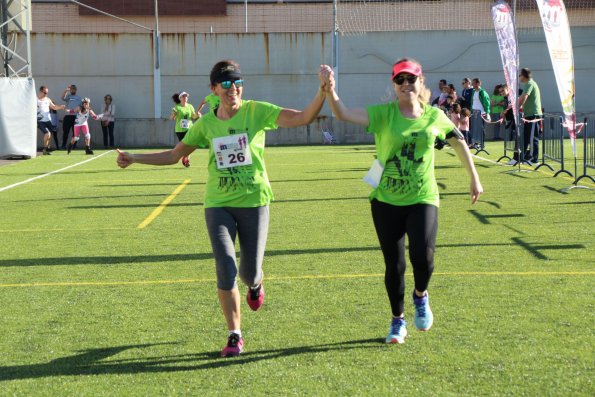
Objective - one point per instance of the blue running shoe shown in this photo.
(423, 318)
(397, 331)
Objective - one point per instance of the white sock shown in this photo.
(236, 331)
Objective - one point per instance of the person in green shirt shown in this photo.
(183, 113)
(496, 109)
(238, 191)
(405, 197)
(530, 101)
(211, 100)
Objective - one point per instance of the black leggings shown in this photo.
(108, 134)
(67, 125)
(420, 223)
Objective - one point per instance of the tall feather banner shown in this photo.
(506, 34)
(557, 34)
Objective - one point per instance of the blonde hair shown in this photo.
(424, 92)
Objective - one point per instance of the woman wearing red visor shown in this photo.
(405, 198)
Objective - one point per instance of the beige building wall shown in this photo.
(104, 56)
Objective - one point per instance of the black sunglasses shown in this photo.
(400, 79)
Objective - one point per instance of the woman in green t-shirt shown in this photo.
(238, 191)
(405, 197)
(496, 109)
(183, 113)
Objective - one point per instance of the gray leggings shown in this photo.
(252, 226)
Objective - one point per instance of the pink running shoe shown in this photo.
(255, 297)
(235, 345)
(186, 161)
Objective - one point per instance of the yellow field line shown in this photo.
(162, 206)
(281, 278)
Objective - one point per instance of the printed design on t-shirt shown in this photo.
(400, 176)
(232, 154)
(81, 118)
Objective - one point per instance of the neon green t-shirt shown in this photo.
(183, 116)
(212, 100)
(237, 175)
(497, 108)
(405, 147)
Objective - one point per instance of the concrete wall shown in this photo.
(282, 68)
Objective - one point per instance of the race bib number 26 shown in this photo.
(232, 151)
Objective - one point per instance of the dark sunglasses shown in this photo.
(227, 84)
(400, 79)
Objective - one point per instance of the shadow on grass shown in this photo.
(485, 219)
(132, 259)
(553, 189)
(89, 362)
(535, 249)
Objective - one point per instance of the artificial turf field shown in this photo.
(102, 294)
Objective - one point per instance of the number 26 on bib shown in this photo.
(232, 151)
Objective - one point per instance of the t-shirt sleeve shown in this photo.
(527, 89)
(196, 136)
(373, 118)
(267, 113)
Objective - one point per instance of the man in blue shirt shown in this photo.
(72, 102)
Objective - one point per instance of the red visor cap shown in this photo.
(406, 67)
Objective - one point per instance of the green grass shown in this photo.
(94, 306)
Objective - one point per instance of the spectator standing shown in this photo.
(464, 125)
(466, 94)
(447, 107)
(480, 109)
(455, 115)
(438, 92)
(44, 120)
(453, 92)
(442, 98)
(508, 115)
(73, 101)
(530, 101)
(497, 107)
(108, 120)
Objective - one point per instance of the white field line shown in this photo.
(53, 172)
